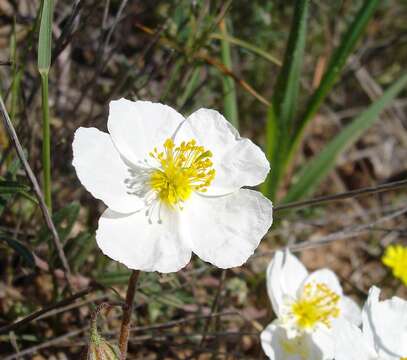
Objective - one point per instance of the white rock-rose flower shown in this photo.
(173, 186)
(307, 307)
(383, 335)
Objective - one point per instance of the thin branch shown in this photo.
(37, 314)
(214, 306)
(339, 235)
(47, 217)
(345, 195)
(174, 323)
(127, 312)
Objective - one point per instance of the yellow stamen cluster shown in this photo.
(318, 304)
(395, 257)
(183, 169)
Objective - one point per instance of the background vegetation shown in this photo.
(320, 85)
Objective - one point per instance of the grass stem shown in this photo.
(46, 142)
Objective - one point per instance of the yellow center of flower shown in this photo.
(317, 305)
(395, 258)
(183, 169)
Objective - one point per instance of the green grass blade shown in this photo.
(46, 142)
(45, 37)
(44, 63)
(229, 88)
(284, 102)
(318, 168)
(247, 46)
(336, 64)
(172, 79)
(191, 86)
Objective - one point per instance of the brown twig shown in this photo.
(46, 215)
(127, 312)
(174, 323)
(345, 195)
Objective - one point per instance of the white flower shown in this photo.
(384, 334)
(173, 186)
(307, 307)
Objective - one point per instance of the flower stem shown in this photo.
(127, 311)
(46, 142)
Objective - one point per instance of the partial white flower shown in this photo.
(307, 307)
(173, 186)
(383, 335)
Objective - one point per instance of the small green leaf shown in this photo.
(12, 187)
(318, 168)
(83, 244)
(64, 220)
(45, 37)
(19, 248)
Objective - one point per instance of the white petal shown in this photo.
(327, 277)
(350, 310)
(238, 161)
(366, 324)
(274, 282)
(101, 170)
(324, 342)
(226, 230)
(294, 273)
(285, 275)
(137, 127)
(278, 346)
(351, 344)
(133, 241)
(387, 322)
(266, 339)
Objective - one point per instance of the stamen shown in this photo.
(318, 304)
(182, 170)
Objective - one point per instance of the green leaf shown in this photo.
(190, 87)
(336, 64)
(83, 244)
(19, 248)
(319, 167)
(64, 221)
(113, 278)
(284, 103)
(45, 37)
(12, 187)
(229, 88)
